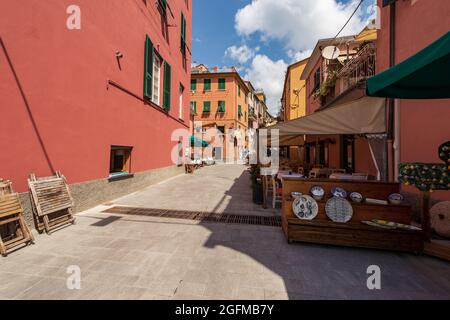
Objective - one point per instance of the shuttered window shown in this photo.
(207, 85)
(148, 69)
(167, 84)
(162, 5)
(221, 106)
(194, 107)
(183, 34)
(239, 110)
(207, 106)
(193, 84)
(221, 84)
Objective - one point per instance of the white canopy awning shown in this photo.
(361, 116)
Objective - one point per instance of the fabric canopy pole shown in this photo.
(362, 116)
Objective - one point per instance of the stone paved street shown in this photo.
(135, 257)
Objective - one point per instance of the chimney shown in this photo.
(216, 69)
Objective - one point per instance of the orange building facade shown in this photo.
(220, 107)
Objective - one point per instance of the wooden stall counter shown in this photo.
(353, 233)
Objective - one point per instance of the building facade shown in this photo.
(94, 91)
(293, 101)
(220, 100)
(420, 126)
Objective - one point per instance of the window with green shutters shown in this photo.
(167, 84)
(239, 91)
(207, 85)
(221, 84)
(148, 69)
(193, 85)
(221, 106)
(206, 106)
(183, 34)
(239, 110)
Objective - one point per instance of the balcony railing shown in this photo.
(361, 67)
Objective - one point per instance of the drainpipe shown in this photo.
(391, 163)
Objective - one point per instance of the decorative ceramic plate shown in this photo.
(305, 208)
(339, 209)
(338, 192)
(395, 225)
(317, 191)
(356, 197)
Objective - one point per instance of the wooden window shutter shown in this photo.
(148, 69)
(167, 84)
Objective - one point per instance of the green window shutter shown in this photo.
(162, 4)
(193, 84)
(148, 69)
(207, 84)
(207, 106)
(221, 106)
(239, 91)
(239, 110)
(221, 84)
(167, 84)
(183, 34)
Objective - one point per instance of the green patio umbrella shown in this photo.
(425, 75)
(196, 142)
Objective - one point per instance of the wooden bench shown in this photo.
(52, 202)
(354, 233)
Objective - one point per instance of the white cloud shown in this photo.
(268, 75)
(241, 54)
(296, 56)
(298, 23)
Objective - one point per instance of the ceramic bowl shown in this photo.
(317, 192)
(356, 197)
(396, 198)
(295, 195)
(338, 192)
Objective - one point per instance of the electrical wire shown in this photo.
(354, 12)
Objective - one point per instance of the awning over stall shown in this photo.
(361, 116)
(425, 75)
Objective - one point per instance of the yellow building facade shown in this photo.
(294, 94)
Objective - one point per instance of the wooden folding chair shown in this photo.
(11, 215)
(52, 202)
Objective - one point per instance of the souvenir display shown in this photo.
(395, 225)
(305, 207)
(296, 194)
(396, 198)
(317, 192)
(376, 201)
(338, 192)
(356, 197)
(339, 209)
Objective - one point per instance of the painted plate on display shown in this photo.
(317, 191)
(338, 192)
(339, 210)
(396, 198)
(305, 208)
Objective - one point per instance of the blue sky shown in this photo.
(262, 37)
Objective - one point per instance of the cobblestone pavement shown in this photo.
(135, 257)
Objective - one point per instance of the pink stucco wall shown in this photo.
(424, 124)
(69, 117)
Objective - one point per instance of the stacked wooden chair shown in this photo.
(13, 227)
(52, 202)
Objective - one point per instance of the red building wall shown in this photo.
(68, 116)
(424, 124)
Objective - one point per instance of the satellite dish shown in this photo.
(331, 52)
